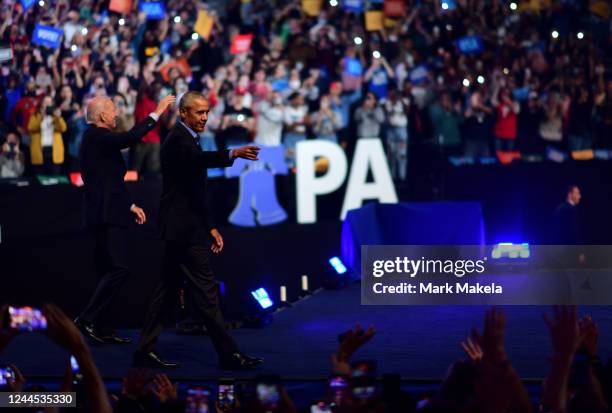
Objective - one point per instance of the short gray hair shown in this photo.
(188, 98)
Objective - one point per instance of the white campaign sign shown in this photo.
(369, 155)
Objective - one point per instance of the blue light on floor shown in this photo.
(338, 265)
(262, 297)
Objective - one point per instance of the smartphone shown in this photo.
(268, 393)
(26, 319)
(77, 376)
(364, 376)
(197, 400)
(320, 407)
(6, 374)
(226, 397)
(364, 368)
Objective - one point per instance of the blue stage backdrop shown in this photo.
(411, 223)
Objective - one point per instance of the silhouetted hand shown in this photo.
(472, 349)
(6, 334)
(353, 340)
(134, 385)
(590, 335)
(246, 152)
(564, 330)
(492, 340)
(62, 331)
(16, 384)
(163, 388)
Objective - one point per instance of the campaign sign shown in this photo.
(241, 43)
(352, 66)
(154, 10)
(470, 44)
(47, 36)
(419, 74)
(355, 6)
(27, 4)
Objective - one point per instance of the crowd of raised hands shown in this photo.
(483, 381)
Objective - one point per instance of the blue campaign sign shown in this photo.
(27, 4)
(47, 36)
(356, 6)
(352, 66)
(419, 74)
(155, 10)
(470, 44)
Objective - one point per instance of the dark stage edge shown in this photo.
(417, 342)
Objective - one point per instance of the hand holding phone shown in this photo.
(26, 319)
(197, 400)
(226, 397)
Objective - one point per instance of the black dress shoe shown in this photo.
(113, 338)
(89, 331)
(239, 361)
(152, 359)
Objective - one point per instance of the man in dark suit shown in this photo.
(107, 206)
(186, 231)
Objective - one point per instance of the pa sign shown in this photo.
(369, 156)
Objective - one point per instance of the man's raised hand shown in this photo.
(164, 103)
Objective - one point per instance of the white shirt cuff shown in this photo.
(154, 116)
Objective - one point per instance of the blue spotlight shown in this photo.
(262, 297)
(338, 265)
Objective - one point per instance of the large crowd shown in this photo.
(469, 77)
(483, 381)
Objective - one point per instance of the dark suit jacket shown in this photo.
(106, 200)
(183, 214)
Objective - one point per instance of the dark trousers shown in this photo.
(190, 263)
(111, 269)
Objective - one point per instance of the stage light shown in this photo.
(511, 250)
(121, 21)
(466, 82)
(84, 31)
(338, 265)
(513, 6)
(580, 35)
(333, 3)
(480, 79)
(555, 34)
(262, 298)
(358, 40)
(194, 36)
(177, 19)
(376, 54)
(444, 5)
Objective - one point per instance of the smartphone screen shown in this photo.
(6, 374)
(268, 395)
(226, 397)
(339, 388)
(27, 319)
(77, 377)
(197, 400)
(320, 407)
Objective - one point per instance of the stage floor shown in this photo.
(417, 342)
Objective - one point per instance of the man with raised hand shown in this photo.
(107, 206)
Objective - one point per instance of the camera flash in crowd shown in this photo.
(376, 54)
(580, 35)
(333, 3)
(121, 21)
(466, 82)
(513, 6)
(41, 3)
(449, 27)
(240, 117)
(444, 5)
(358, 40)
(73, 48)
(480, 79)
(194, 36)
(555, 34)
(177, 19)
(84, 31)
(506, 71)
